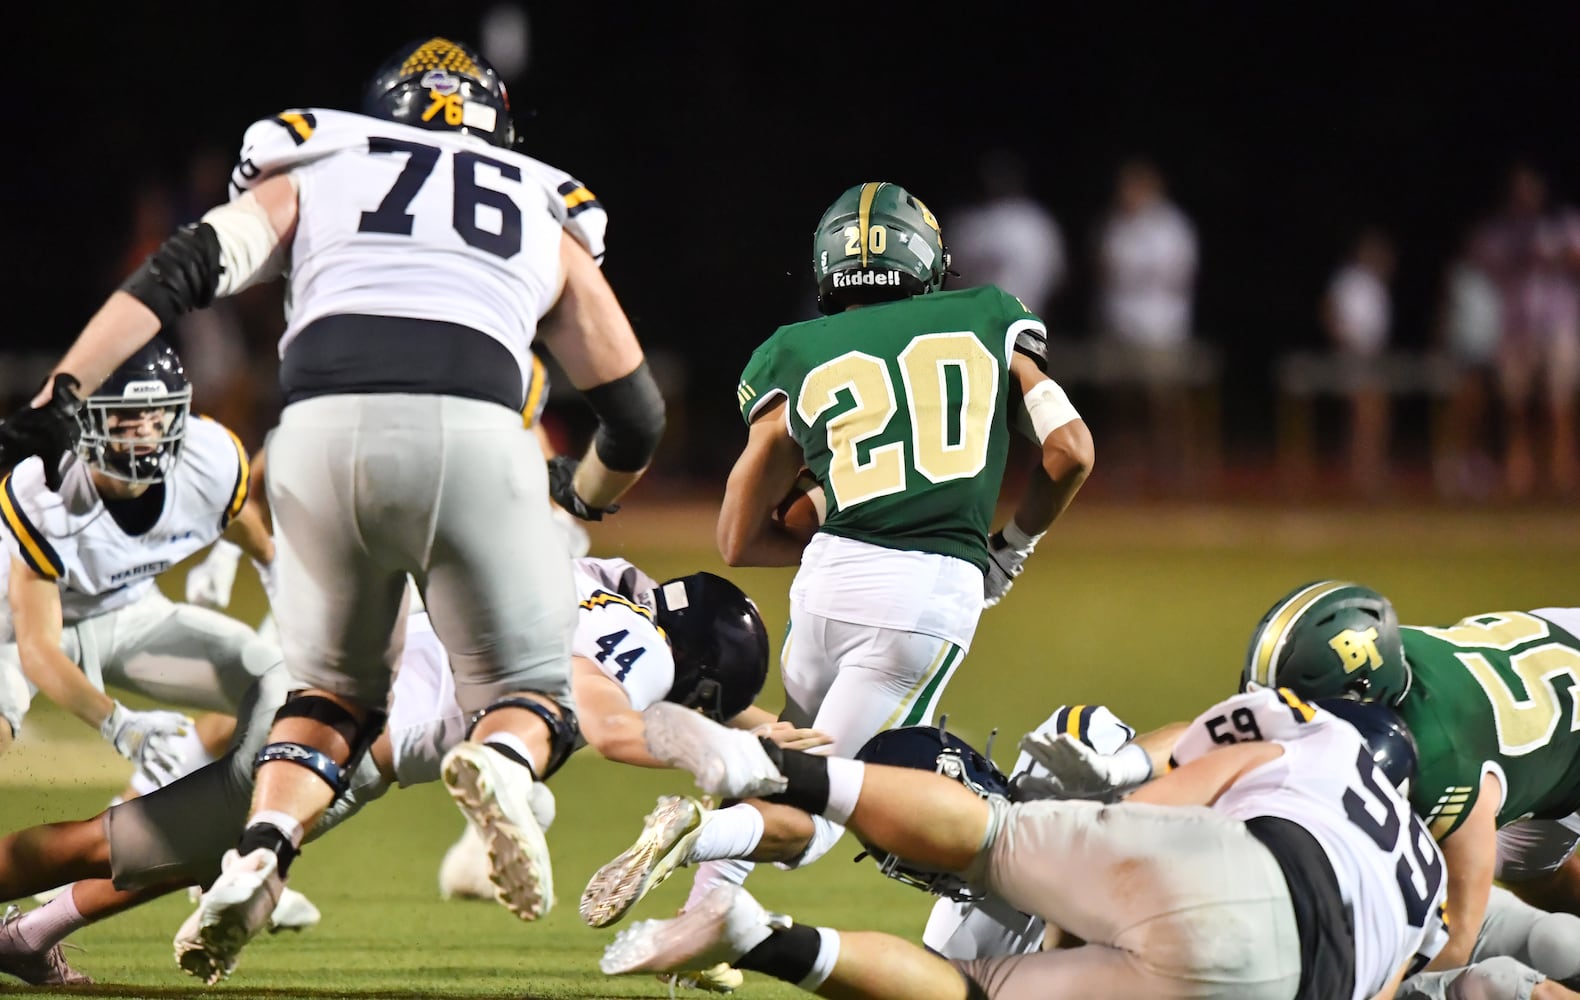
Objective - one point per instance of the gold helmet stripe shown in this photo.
(869, 192)
(1273, 635)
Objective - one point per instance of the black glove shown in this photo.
(50, 431)
(562, 490)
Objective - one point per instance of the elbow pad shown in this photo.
(630, 420)
(182, 275)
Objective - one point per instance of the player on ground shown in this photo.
(425, 254)
(900, 401)
(1488, 701)
(1305, 875)
(695, 640)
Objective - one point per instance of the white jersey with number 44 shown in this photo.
(1389, 869)
(401, 221)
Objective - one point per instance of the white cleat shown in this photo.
(668, 834)
(728, 763)
(721, 978)
(463, 874)
(294, 912)
(725, 925)
(494, 793)
(230, 914)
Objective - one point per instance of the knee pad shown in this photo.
(1500, 978)
(1554, 946)
(359, 735)
(564, 731)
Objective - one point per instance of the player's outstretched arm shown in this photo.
(232, 247)
(589, 334)
(747, 533)
(608, 722)
(1470, 853)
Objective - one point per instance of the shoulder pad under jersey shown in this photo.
(1271, 714)
(291, 138)
(28, 508)
(576, 208)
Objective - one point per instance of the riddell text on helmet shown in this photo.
(847, 279)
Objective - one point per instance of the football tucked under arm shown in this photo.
(803, 509)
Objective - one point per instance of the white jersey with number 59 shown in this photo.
(1389, 869)
(400, 221)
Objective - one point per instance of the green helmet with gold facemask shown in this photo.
(877, 242)
(1330, 639)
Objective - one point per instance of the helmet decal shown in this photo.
(1264, 658)
(864, 237)
(439, 53)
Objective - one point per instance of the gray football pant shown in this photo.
(1172, 902)
(181, 831)
(367, 489)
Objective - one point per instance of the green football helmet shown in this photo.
(1330, 639)
(877, 242)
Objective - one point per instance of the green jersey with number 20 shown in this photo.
(902, 411)
(1496, 692)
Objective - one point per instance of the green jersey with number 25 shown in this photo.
(1494, 692)
(902, 411)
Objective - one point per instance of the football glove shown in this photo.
(1076, 771)
(210, 582)
(50, 431)
(562, 490)
(147, 739)
(1008, 549)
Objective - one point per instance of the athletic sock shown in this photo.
(273, 831)
(712, 874)
(734, 832)
(801, 955)
(47, 926)
(510, 745)
(823, 786)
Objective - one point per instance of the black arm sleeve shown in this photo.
(630, 419)
(181, 275)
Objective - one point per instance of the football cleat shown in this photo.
(721, 978)
(35, 967)
(463, 874)
(294, 912)
(494, 793)
(232, 912)
(729, 763)
(668, 834)
(727, 924)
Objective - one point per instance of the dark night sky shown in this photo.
(716, 134)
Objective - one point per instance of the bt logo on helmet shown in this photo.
(850, 279)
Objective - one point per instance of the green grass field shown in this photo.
(1145, 609)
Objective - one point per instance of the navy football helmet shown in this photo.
(719, 642)
(134, 424)
(445, 86)
(1390, 741)
(931, 748)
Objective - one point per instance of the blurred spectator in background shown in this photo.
(1008, 238)
(1147, 277)
(1470, 324)
(1358, 315)
(1534, 253)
